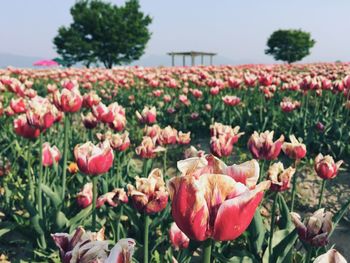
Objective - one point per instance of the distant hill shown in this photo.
(19, 61)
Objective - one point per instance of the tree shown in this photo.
(100, 31)
(289, 45)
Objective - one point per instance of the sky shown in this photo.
(235, 29)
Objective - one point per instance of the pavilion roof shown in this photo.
(192, 53)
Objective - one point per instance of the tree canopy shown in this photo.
(102, 32)
(289, 45)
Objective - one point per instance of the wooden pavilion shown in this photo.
(192, 55)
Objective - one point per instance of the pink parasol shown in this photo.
(46, 63)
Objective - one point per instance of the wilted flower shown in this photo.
(122, 252)
(207, 201)
(331, 256)
(148, 148)
(89, 121)
(113, 198)
(280, 178)
(94, 159)
(316, 229)
(82, 246)
(50, 154)
(150, 194)
(325, 166)
(183, 137)
(84, 197)
(294, 149)
(178, 239)
(262, 145)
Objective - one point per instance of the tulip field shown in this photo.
(173, 164)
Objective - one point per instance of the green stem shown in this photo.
(65, 155)
(261, 171)
(294, 190)
(207, 251)
(30, 178)
(39, 190)
(321, 195)
(165, 162)
(145, 238)
(118, 222)
(308, 255)
(272, 226)
(94, 198)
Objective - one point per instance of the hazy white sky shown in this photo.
(236, 29)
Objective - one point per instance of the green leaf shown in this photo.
(243, 256)
(36, 224)
(61, 220)
(74, 221)
(55, 198)
(257, 232)
(281, 251)
(6, 227)
(285, 221)
(339, 215)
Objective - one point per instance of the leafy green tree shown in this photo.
(106, 33)
(289, 45)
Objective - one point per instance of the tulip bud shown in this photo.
(50, 155)
(325, 166)
(84, 197)
(316, 229)
(178, 239)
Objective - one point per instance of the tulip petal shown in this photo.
(246, 173)
(189, 207)
(235, 215)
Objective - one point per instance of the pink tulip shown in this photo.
(207, 203)
(122, 251)
(178, 239)
(69, 100)
(51, 155)
(84, 197)
(113, 198)
(23, 129)
(94, 159)
(147, 116)
(150, 194)
(18, 105)
(41, 114)
(262, 145)
(325, 166)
